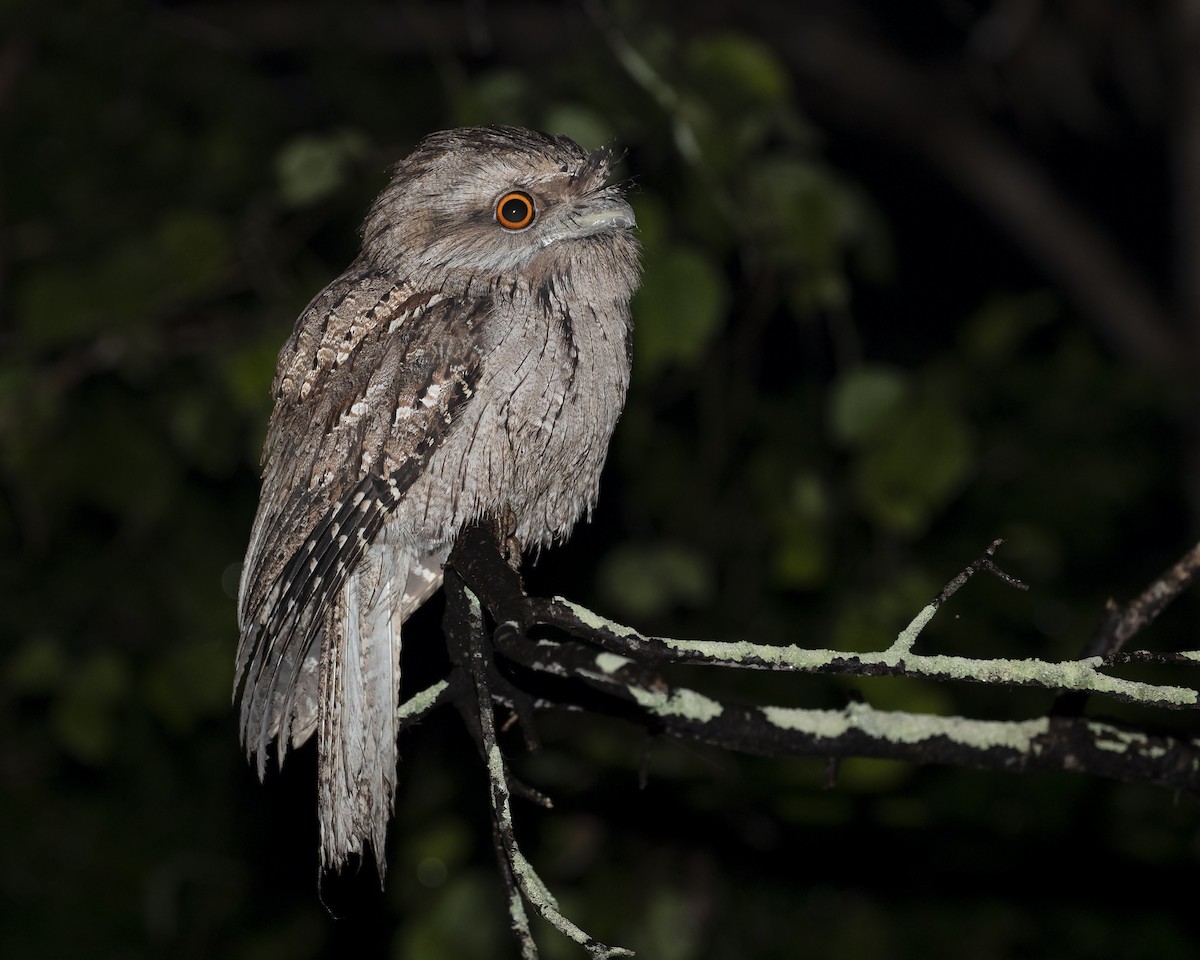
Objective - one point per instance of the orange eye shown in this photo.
(515, 210)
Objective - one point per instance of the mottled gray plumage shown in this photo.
(465, 365)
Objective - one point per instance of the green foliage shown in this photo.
(312, 168)
(641, 581)
(800, 460)
(864, 400)
(679, 307)
(909, 474)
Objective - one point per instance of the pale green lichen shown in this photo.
(908, 636)
(1125, 741)
(743, 651)
(828, 724)
(909, 728)
(679, 703)
(421, 702)
(495, 764)
(519, 920)
(610, 663)
(1084, 676)
(593, 620)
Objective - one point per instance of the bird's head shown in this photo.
(501, 206)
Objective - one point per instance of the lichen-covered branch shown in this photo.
(597, 664)
(1068, 744)
(623, 665)
(1083, 676)
(472, 657)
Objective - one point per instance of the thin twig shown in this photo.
(1121, 624)
(985, 562)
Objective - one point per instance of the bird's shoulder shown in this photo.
(368, 387)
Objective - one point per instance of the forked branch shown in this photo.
(596, 664)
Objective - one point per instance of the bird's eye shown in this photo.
(515, 210)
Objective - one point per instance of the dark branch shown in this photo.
(1121, 624)
(479, 686)
(605, 669)
(985, 562)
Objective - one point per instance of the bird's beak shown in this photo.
(609, 215)
(601, 216)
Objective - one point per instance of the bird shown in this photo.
(471, 363)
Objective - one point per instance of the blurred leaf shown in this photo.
(498, 96)
(799, 208)
(85, 711)
(653, 221)
(651, 580)
(738, 65)
(801, 555)
(677, 311)
(127, 285)
(733, 98)
(310, 168)
(463, 921)
(139, 473)
(586, 127)
(194, 424)
(671, 923)
(866, 775)
(53, 304)
(194, 251)
(447, 840)
(248, 374)
(863, 402)
(910, 471)
(1002, 326)
(812, 223)
(871, 619)
(38, 667)
(189, 683)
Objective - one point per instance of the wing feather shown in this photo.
(327, 493)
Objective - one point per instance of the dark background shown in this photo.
(917, 276)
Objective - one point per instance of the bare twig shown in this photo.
(1120, 624)
(985, 562)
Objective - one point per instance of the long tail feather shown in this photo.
(359, 698)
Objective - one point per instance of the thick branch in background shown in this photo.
(864, 85)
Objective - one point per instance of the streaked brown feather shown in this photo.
(455, 370)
